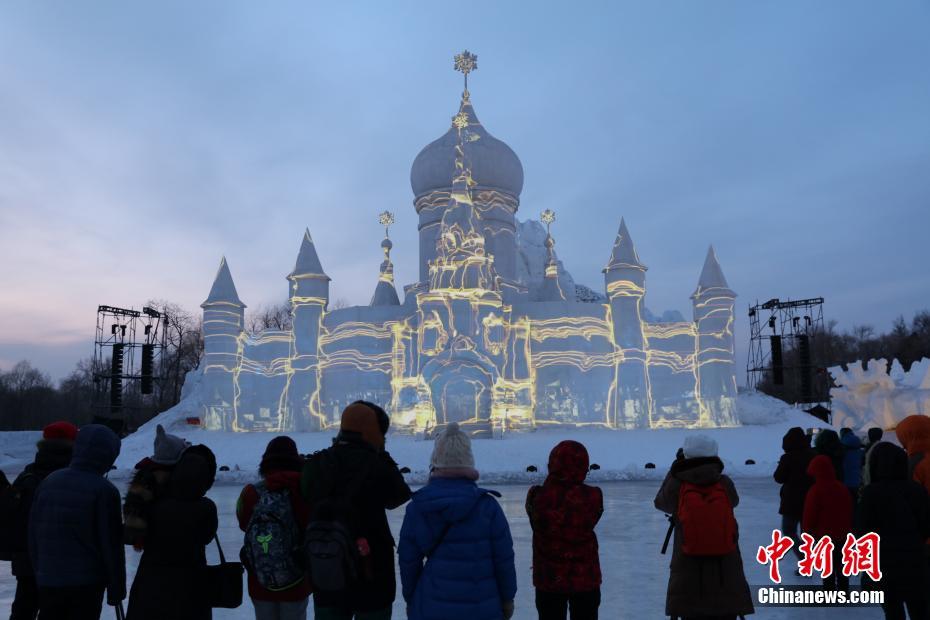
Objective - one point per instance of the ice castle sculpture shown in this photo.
(473, 341)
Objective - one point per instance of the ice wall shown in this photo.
(877, 396)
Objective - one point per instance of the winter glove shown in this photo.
(507, 608)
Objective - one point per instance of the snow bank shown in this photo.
(621, 455)
(17, 448)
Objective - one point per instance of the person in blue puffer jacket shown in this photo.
(462, 533)
(853, 459)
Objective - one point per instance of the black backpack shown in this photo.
(330, 549)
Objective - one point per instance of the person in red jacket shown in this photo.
(828, 511)
(563, 513)
(280, 469)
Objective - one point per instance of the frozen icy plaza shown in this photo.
(494, 334)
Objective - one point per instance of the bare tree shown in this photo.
(184, 348)
(276, 316)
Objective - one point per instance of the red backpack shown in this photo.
(708, 527)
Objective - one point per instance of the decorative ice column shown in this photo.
(551, 291)
(309, 295)
(629, 402)
(223, 315)
(713, 315)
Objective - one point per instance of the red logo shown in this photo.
(859, 555)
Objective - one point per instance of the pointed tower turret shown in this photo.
(623, 255)
(309, 296)
(712, 277)
(385, 292)
(713, 302)
(625, 278)
(308, 263)
(223, 319)
(551, 291)
(223, 290)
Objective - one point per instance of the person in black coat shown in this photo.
(53, 452)
(897, 509)
(791, 474)
(182, 522)
(358, 460)
(76, 532)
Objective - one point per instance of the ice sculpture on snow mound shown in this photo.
(879, 397)
(492, 335)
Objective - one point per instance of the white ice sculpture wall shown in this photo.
(878, 397)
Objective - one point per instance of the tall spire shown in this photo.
(385, 292)
(712, 277)
(223, 290)
(551, 291)
(308, 263)
(461, 261)
(624, 252)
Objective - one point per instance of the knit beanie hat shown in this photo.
(280, 455)
(168, 448)
(452, 450)
(62, 431)
(697, 446)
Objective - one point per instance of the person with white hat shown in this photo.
(462, 534)
(706, 579)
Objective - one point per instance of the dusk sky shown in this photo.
(141, 142)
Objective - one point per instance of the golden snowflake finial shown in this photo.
(460, 120)
(386, 218)
(547, 216)
(465, 63)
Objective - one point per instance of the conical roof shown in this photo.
(223, 290)
(494, 164)
(624, 253)
(308, 263)
(711, 275)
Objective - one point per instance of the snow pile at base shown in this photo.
(621, 455)
(878, 396)
(17, 448)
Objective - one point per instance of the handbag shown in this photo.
(224, 582)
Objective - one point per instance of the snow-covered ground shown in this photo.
(621, 455)
(630, 534)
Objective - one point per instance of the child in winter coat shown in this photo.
(280, 471)
(828, 511)
(147, 484)
(462, 533)
(791, 474)
(702, 585)
(897, 509)
(182, 522)
(563, 513)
